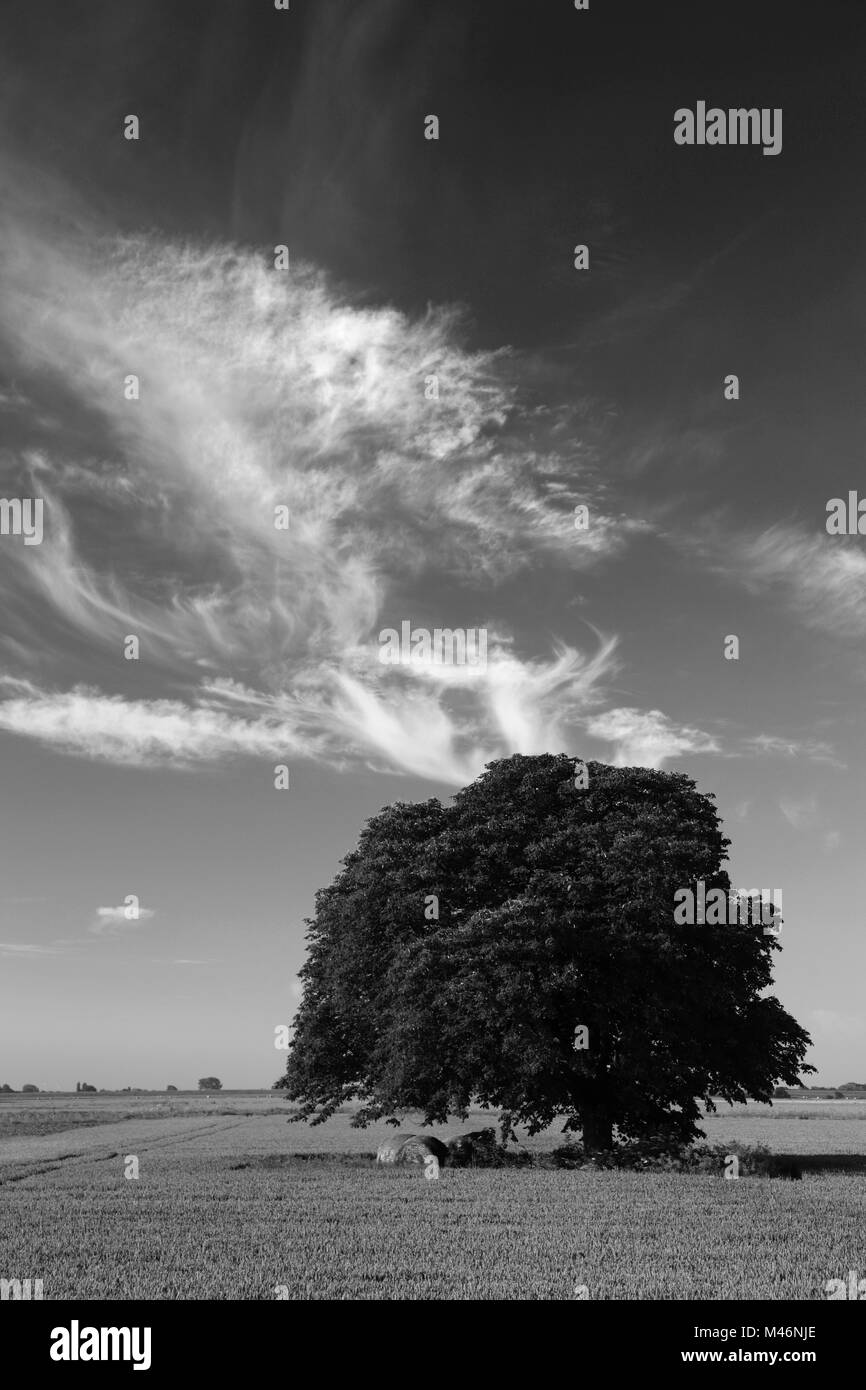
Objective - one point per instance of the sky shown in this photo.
(259, 387)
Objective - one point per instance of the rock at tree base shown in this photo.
(411, 1148)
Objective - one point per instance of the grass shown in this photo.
(232, 1202)
(191, 1228)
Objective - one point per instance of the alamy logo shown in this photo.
(445, 646)
(102, 1344)
(20, 1289)
(737, 908)
(856, 1287)
(736, 126)
(22, 517)
(847, 520)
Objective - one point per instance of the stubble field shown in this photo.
(231, 1202)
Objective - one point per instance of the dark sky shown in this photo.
(553, 121)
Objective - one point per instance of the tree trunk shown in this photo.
(597, 1129)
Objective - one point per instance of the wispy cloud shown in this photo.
(394, 718)
(142, 732)
(813, 749)
(181, 960)
(821, 579)
(261, 389)
(11, 949)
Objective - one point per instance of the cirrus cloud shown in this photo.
(408, 463)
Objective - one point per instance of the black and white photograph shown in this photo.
(432, 662)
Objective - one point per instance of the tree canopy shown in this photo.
(459, 949)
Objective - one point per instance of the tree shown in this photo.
(30, 1088)
(5, 1086)
(458, 950)
(210, 1083)
(171, 1088)
(780, 1093)
(85, 1086)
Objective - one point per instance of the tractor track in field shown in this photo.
(17, 1170)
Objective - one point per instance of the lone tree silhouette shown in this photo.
(555, 911)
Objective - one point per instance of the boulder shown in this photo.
(476, 1149)
(411, 1148)
(419, 1147)
(389, 1150)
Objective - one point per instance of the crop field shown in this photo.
(232, 1202)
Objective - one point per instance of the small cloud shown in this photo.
(800, 814)
(832, 840)
(647, 738)
(742, 809)
(108, 919)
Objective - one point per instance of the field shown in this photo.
(231, 1202)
